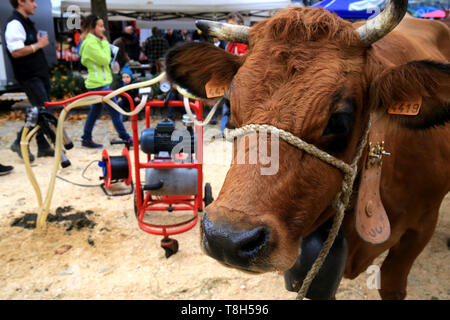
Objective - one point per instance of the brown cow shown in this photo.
(319, 77)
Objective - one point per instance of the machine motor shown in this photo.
(161, 141)
(165, 137)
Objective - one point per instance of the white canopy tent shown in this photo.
(173, 14)
(187, 6)
(178, 14)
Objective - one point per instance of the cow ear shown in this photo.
(416, 94)
(193, 64)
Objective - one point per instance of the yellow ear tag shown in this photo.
(214, 89)
(410, 108)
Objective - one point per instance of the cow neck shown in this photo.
(341, 199)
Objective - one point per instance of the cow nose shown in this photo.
(235, 248)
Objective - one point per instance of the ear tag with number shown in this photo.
(410, 108)
(214, 89)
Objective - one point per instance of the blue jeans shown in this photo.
(96, 111)
(224, 120)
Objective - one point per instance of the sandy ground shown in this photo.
(117, 260)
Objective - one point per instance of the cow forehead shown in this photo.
(295, 94)
(298, 59)
(299, 25)
(305, 38)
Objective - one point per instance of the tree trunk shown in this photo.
(98, 7)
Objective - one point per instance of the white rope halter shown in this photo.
(342, 198)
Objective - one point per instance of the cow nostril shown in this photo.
(254, 241)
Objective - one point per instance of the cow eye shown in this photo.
(340, 123)
(336, 134)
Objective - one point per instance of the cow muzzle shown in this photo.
(243, 249)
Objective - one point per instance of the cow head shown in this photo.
(310, 73)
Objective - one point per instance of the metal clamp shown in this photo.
(32, 117)
(376, 154)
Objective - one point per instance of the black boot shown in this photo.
(46, 152)
(213, 120)
(5, 169)
(16, 147)
(44, 148)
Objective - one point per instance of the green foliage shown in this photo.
(64, 83)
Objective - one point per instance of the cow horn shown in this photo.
(224, 31)
(382, 24)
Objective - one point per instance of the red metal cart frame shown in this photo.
(148, 203)
(184, 203)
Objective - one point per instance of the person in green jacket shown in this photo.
(95, 55)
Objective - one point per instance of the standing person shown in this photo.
(155, 47)
(234, 47)
(122, 42)
(173, 94)
(185, 35)
(29, 64)
(95, 55)
(174, 37)
(133, 47)
(170, 36)
(219, 43)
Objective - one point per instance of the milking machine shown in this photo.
(173, 170)
(85, 99)
(173, 173)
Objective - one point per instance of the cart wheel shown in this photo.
(170, 246)
(208, 194)
(135, 203)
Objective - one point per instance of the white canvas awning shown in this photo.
(173, 14)
(187, 6)
(172, 9)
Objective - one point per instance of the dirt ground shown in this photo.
(116, 260)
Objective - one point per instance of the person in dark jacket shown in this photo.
(173, 37)
(133, 46)
(127, 79)
(172, 95)
(122, 42)
(155, 47)
(29, 64)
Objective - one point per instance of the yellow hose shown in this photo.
(147, 83)
(44, 209)
(187, 94)
(24, 142)
(188, 108)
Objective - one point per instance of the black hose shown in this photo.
(79, 184)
